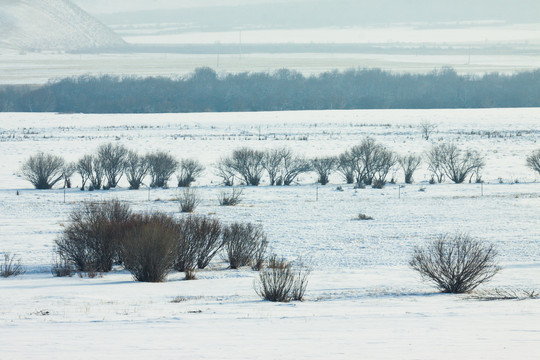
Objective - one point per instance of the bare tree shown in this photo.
(89, 167)
(324, 166)
(409, 164)
(346, 166)
(112, 160)
(427, 128)
(189, 170)
(435, 159)
(272, 163)
(136, 168)
(67, 172)
(384, 160)
(248, 165)
(456, 264)
(457, 164)
(43, 170)
(533, 161)
(372, 162)
(161, 167)
(225, 171)
(292, 166)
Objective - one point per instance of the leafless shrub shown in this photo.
(427, 128)
(189, 200)
(161, 167)
(435, 160)
(282, 283)
(454, 163)
(90, 169)
(324, 166)
(112, 160)
(259, 256)
(283, 167)
(409, 164)
(456, 264)
(207, 237)
(346, 166)
(11, 266)
(91, 241)
(61, 266)
(230, 198)
(43, 170)
(533, 161)
(189, 170)
(276, 262)
(136, 168)
(247, 164)
(226, 171)
(372, 161)
(242, 242)
(505, 294)
(363, 217)
(149, 246)
(67, 172)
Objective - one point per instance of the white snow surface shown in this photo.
(51, 25)
(362, 301)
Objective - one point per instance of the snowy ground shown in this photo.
(363, 301)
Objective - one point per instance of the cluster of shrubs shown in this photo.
(150, 245)
(366, 164)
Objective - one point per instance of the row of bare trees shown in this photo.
(368, 163)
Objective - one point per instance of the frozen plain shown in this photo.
(362, 302)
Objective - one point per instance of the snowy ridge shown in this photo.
(51, 25)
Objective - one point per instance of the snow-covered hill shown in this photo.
(51, 25)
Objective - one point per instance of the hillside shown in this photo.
(55, 25)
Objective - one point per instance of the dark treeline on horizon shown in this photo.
(204, 90)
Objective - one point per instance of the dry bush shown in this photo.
(90, 169)
(189, 170)
(112, 160)
(409, 164)
(533, 161)
(363, 217)
(246, 163)
(427, 128)
(43, 170)
(282, 282)
(67, 172)
(454, 163)
(91, 241)
(456, 264)
(136, 169)
(242, 243)
(346, 166)
(11, 266)
(324, 167)
(372, 162)
(283, 167)
(505, 294)
(61, 267)
(230, 198)
(198, 241)
(161, 168)
(149, 246)
(189, 200)
(226, 171)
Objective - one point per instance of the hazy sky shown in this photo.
(234, 14)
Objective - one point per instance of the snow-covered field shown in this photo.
(363, 301)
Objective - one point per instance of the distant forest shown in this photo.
(204, 90)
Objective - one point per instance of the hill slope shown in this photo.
(51, 25)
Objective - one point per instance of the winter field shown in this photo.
(362, 302)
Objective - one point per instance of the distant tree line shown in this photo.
(204, 90)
